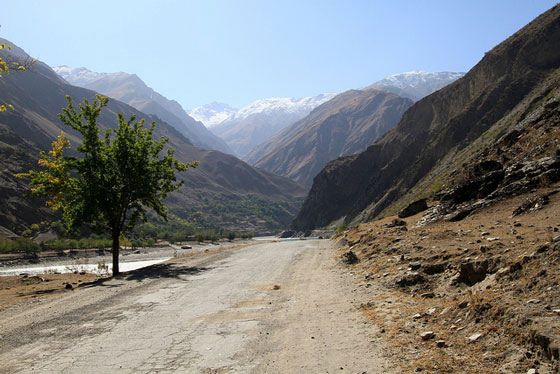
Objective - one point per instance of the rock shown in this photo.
(532, 371)
(472, 272)
(418, 315)
(349, 258)
(544, 338)
(396, 223)
(414, 265)
(556, 239)
(435, 268)
(186, 247)
(440, 343)
(68, 286)
(413, 208)
(410, 279)
(427, 335)
(428, 295)
(463, 305)
(287, 234)
(342, 242)
(474, 337)
(533, 204)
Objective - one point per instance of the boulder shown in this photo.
(413, 208)
(350, 258)
(472, 272)
(287, 234)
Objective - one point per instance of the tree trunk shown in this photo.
(115, 254)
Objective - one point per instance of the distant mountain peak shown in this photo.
(131, 89)
(416, 84)
(212, 114)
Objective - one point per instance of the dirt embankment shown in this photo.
(481, 295)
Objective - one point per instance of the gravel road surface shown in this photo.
(281, 307)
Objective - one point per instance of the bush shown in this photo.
(340, 228)
(19, 245)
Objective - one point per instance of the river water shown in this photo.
(97, 268)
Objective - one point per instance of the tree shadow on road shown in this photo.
(165, 270)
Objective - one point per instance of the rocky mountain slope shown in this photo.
(130, 89)
(437, 135)
(415, 84)
(222, 191)
(480, 294)
(344, 125)
(256, 122)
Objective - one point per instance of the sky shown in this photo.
(237, 51)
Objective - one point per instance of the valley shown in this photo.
(410, 225)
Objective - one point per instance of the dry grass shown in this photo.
(520, 290)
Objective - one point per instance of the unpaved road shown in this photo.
(284, 307)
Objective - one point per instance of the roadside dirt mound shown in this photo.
(481, 295)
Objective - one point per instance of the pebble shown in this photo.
(474, 337)
(427, 335)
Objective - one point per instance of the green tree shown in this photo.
(119, 178)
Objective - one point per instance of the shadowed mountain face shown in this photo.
(223, 189)
(130, 89)
(359, 187)
(344, 125)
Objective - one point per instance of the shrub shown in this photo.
(340, 228)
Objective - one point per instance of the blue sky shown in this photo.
(237, 51)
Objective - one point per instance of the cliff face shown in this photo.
(360, 187)
(344, 125)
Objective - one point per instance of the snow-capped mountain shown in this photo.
(80, 76)
(256, 122)
(129, 88)
(212, 114)
(415, 84)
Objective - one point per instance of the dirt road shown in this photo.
(282, 307)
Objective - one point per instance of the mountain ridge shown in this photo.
(249, 126)
(344, 125)
(130, 89)
(224, 190)
(359, 188)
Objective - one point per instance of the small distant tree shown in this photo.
(116, 181)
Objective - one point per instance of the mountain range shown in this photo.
(515, 84)
(130, 89)
(342, 126)
(222, 192)
(248, 127)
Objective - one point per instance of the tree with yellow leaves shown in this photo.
(6, 66)
(121, 175)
